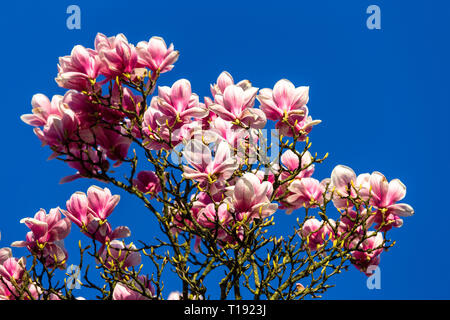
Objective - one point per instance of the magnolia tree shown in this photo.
(214, 174)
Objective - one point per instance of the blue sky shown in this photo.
(382, 96)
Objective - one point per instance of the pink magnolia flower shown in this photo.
(123, 291)
(82, 105)
(44, 115)
(59, 130)
(79, 70)
(236, 104)
(384, 196)
(249, 198)
(89, 212)
(178, 104)
(42, 109)
(13, 269)
(206, 170)
(117, 255)
(5, 253)
(367, 254)
(224, 80)
(155, 55)
(209, 217)
(287, 105)
(346, 185)
(284, 100)
(301, 125)
(12, 280)
(307, 192)
(299, 287)
(77, 209)
(292, 163)
(147, 182)
(160, 133)
(315, 233)
(101, 202)
(49, 227)
(117, 55)
(46, 235)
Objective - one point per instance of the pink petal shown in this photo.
(38, 228)
(380, 188)
(341, 177)
(290, 160)
(222, 112)
(224, 80)
(396, 192)
(32, 120)
(233, 99)
(121, 232)
(197, 154)
(254, 118)
(181, 94)
(60, 230)
(283, 94)
(401, 210)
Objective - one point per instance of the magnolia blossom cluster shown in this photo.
(13, 281)
(104, 109)
(247, 199)
(111, 104)
(45, 240)
(90, 212)
(88, 123)
(102, 113)
(364, 201)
